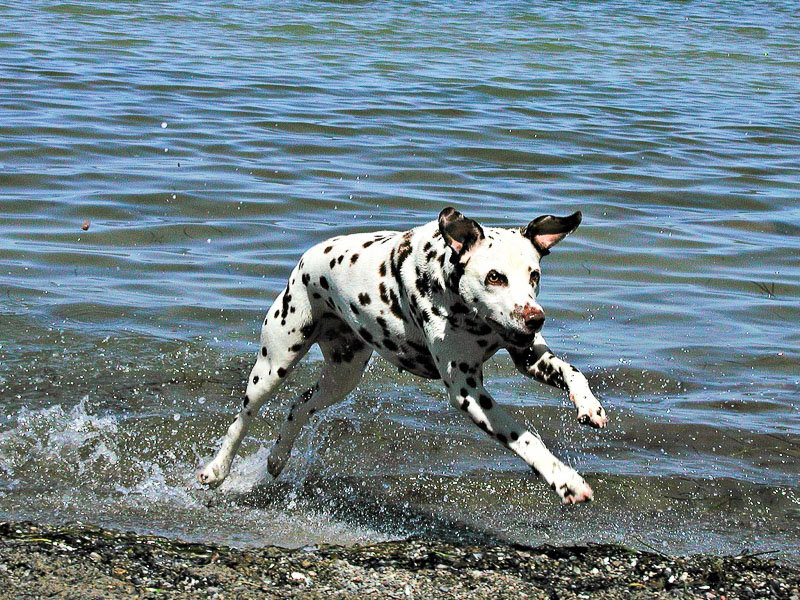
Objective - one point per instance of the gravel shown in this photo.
(79, 561)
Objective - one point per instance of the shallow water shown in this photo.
(208, 146)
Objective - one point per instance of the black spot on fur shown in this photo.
(382, 322)
(382, 269)
(463, 367)
(328, 249)
(514, 436)
(367, 244)
(464, 392)
(287, 298)
(354, 308)
(423, 284)
(364, 299)
(353, 259)
(421, 348)
(366, 335)
(459, 308)
(403, 252)
(296, 348)
(390, 345)
(485, 402)
(502, 439)
(263, 350)
(395, 306)
(465, 404)
(481, 329)
(324, 282)
(384, 295)
(281, 372)
(246, 401)
(471, 382)
(332, 263)
(255, 379)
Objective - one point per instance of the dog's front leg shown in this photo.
(541, 364)
(464, 383)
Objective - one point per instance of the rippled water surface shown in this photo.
(208, 145)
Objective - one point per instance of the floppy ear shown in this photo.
(546, 231)
(459, 232)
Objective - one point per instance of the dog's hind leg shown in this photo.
(346, 357)
(288, 332)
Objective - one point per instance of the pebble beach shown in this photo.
(78, 561)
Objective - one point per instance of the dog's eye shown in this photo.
(495, 278)
(535, 278)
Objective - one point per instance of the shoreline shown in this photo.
(83, 561)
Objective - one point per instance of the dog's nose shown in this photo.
(535, 324)
(533, 317)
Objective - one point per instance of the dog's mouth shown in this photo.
(522, 338)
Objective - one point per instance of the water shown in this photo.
(209, 145)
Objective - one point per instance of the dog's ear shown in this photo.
(459, 232)
(546, 231)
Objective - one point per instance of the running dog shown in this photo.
(437, 301)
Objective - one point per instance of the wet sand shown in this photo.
(78, 561)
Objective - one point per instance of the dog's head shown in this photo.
(498, 270)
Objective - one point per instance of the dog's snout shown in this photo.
(533, 317)
(535, 324)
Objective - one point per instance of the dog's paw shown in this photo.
(212, 476)
(572, 488)
(589, 410)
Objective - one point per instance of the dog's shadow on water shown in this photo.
(365, 503)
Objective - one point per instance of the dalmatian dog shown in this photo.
(437, 301)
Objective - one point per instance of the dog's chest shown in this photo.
(412, 357)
